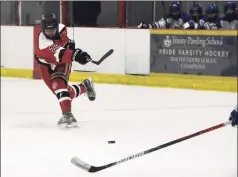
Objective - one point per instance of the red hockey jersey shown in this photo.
(47, 51)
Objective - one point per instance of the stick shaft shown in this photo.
(170, 143)
(174, 142)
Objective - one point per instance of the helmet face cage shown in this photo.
(175, 10)
(196, 12)
(211, 12)
(230, 8)
(49, 25)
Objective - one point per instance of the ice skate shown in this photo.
(67, 121)
(89, 89)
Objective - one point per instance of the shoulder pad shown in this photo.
(218, 19)
(186, 17)
(61, 27)
(224, 18)
(204, 19)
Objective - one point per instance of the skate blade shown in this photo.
(71, 126)
(66, 126)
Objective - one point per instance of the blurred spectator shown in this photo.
(85, 13)
(174, 20)
(211, 20)
(230, 19)
(196, 14)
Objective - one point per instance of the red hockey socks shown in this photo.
(76, 90)
(62, 93)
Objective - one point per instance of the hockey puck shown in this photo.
(111, 142)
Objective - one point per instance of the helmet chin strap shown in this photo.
(55, 37)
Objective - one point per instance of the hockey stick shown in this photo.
(89, 168)
(103, 57)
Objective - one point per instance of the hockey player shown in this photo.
(174, 20)
(234, 117)
(211, 20)
(55, 52)
(230, 20)
(196, 14)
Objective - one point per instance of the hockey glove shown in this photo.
(81, 57)
(207, 26)
(213, 26)
(143, 25)
(234, 117)
(71, 44)
(189, 25)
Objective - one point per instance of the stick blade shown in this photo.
(103, 57)
(85, 166)
(81, 164)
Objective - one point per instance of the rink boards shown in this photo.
(133, 60)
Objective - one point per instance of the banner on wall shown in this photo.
(194, 54)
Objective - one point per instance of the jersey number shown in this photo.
(54, 47)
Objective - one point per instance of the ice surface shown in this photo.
(137, 118)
